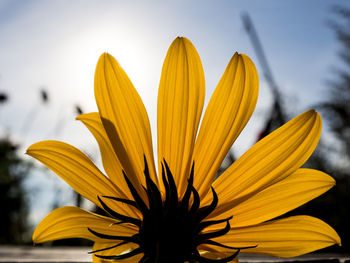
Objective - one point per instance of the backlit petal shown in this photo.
(270, 160)
(73, 222)
(115, 251)
(295, 190)
(110, 161)
(124, 118)
(228, 111)
(78, 171)
(288, 237)
(180, 103)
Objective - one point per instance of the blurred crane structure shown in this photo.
(277, 115)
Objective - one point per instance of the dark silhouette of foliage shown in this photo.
(44, 96)
(337, 108)
(333, 207)
(14, 206)
(3, 97)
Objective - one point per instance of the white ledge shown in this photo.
(28, 254)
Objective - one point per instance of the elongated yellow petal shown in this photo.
(73, 222)
(212, 252)
(79, 172)
(124, 118)
(115, 251)
(288, 237)
(110, 161)
(270, 160)
(180, 102)
(215, 252)
(228, 111)
(295, 190)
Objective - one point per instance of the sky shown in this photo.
(54, 45)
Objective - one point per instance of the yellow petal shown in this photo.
(115, 251)
(124, 118)
(79, 172)
(295, 190)
(110, 161)
(211, 253)
(270, 160)
(228, 111)
(73, 222)
(215, 252)
(180, 102)
(288, 237)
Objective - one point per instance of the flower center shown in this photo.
(171, 229)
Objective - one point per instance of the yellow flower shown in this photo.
(184, 214)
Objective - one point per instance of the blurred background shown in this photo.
(48, 54)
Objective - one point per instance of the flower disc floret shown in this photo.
(171, 230)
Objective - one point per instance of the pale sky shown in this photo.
(56, 44)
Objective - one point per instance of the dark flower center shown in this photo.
(171, 229)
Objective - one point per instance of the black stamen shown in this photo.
(173, 190)
(221, 232)
(122, 200)
(214, 243)
(103, 249)
(196, 202)
(187, 195)
(206, 210)
(122, 256)
(118, 216)
(154, 196)
(139, 201)
(167, 188)
(132, 239)
(205, 224)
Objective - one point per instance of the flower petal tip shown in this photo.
(180, 40)
(313, 112)
(333, 235)
(337, 239)
(339, 243)
(105, 54)
(104, 57)
(80, 117)
(327, 179)
(29, 149)
(35, 238)
(34, 147)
